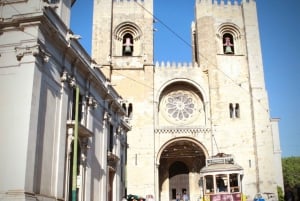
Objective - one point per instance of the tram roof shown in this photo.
(221, 168)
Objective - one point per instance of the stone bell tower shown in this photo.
(123, 33)
(226, 45)
(122, 47)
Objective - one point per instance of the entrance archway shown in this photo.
(180, 162)
(178, 179)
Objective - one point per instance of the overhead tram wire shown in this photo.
(204, 57)
(180, 38)
(165, 25)
(189, 45)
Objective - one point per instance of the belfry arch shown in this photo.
(180, 161)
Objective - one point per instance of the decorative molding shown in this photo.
(182, 130)
(27, 50)
(34, 50)
(107, 116)
(175, 65)
(11, 1)
(70, 37)
(65, 77)
(91, 102)
(112, 160)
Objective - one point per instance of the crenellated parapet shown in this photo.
(225, 10)
(174, 65)
(142, 10)
(225, 2)
(132, 2)
(138, 1)
(123, 9)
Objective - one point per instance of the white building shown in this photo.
(42, 68)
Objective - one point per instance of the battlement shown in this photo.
(226, 10)
(174, 65)
(131, 1)
(133, 5)
(139, 1)
(225, 2)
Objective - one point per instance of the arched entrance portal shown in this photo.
(180, 164)
(178, 179)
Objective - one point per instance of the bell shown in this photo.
(127, 49)
(228, 50)
(127, 45)
(228, 45)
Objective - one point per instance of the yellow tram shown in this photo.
(221, 179)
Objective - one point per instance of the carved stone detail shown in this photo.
(112, 160)
(34, 50)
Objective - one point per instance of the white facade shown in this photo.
(184, 113)
(42, 65)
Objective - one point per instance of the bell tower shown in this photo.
(226, 46)
(122, 47)
(123, 33)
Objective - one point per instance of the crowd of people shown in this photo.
(179, 197)
(183, 197)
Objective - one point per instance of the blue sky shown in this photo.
(280, 40)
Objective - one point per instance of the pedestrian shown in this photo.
(177, 197)
(185, 197)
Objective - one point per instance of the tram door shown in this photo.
(178, 179)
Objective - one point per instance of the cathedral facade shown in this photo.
(98, 127)
(182, 114)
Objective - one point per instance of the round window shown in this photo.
(181, 106)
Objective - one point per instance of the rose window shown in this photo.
(180, 106)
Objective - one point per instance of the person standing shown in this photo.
(177, 197)
(185, 197)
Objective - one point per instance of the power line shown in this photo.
(203, 56)
(175, 34)
(165, 25)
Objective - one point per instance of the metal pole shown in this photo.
(111, 38)
(75, 147)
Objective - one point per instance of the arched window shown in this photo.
(124, 107)
(237, 110)
(127, 40)
(230, 39)
(228, 44)
(130, 110)
(181, 103)
(127, 45)
(230, 110)
(234, 110)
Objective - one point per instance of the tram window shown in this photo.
(234, 184)
(209, 184)
(222, 183)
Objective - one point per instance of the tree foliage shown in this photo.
(291, 171)
(280, 194)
